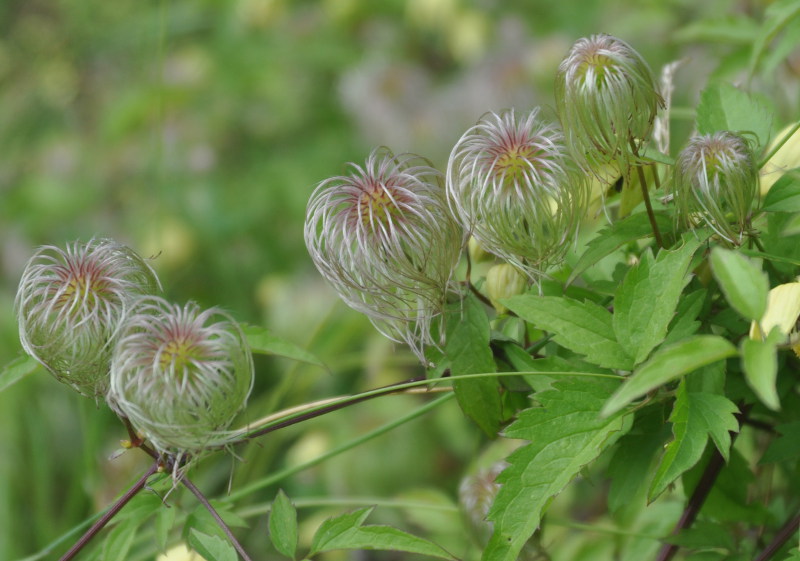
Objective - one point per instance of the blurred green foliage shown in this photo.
(194, 131)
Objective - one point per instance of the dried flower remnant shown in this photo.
(180, 374)
(70, 303)
(715, 180)
(607, 100)
(385, 240)
(513, 185)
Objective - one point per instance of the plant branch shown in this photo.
(783, 535)
(646, 196)
(110, 513)
(700, 493)
(204, 501)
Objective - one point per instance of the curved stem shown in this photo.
(109, 514)
(779, 145)
(209, 507)
(646, 196)
(783, 535)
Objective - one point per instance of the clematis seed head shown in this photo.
(514, 187)
(384, 238)
(607, 100)
(180, 374)
(69, 305)
(715, 181)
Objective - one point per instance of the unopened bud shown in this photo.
(504, 281)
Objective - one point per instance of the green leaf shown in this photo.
(645, 303)
(565, 435)
(743, 283)
(629, 467)
(119, 540)
(784, 195)
(212, 548)
(582, 327)
(685, 323)
(724, 107)
(760, 366)
(261, 341)
(347, 532)
(165, 519)
(467, 352)
(667, 364)
(614, 236)
(778, 15)
(695, 417)
(786, 446)
(16, 370)
(283, 525)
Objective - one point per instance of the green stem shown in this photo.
(275, 477)
(646, 196)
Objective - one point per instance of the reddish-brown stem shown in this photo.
(783, 535)
(700, 494)
(646, 196)
(204, 501)
(109, 514)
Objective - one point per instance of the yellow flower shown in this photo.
(788, 157)
(783, 311)
(180, 553)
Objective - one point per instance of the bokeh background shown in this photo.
(195, 130)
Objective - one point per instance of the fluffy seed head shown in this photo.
(383, 237)
(513, 185)
(715, 180)
(607, 101)
(180, 374)
(69, 305)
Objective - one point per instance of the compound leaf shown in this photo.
(566, 433)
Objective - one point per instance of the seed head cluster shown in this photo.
(180, 374)
(513, 185)
(70, 304)
(715, 181)
(383, 237)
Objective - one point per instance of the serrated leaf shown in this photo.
(283, 525)
(165, 519)
(521, 361)
(784, 195)
(695, 417)
(261, 341)
(614, 236)
(565, 435)
(582, 327)
(724, 107)
(212, 548)
(16, 370)
(467, 351)
(743, 283)
(119, 540)
(645, 303)
(667, 364)
(760, 366)
(347, 532)
(685, 323)
(778, 15)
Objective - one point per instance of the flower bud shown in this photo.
(783, 312)
(69, 305)
(512, 184)
(504, 281)
(180, 375)
(384, 238)
(607, 101)
(476, 493)
(715, 180)
(477, 253)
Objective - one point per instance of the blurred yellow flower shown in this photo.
(783, 310)
(180, 553)
(788, 157)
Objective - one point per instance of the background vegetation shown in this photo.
(194, 131)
